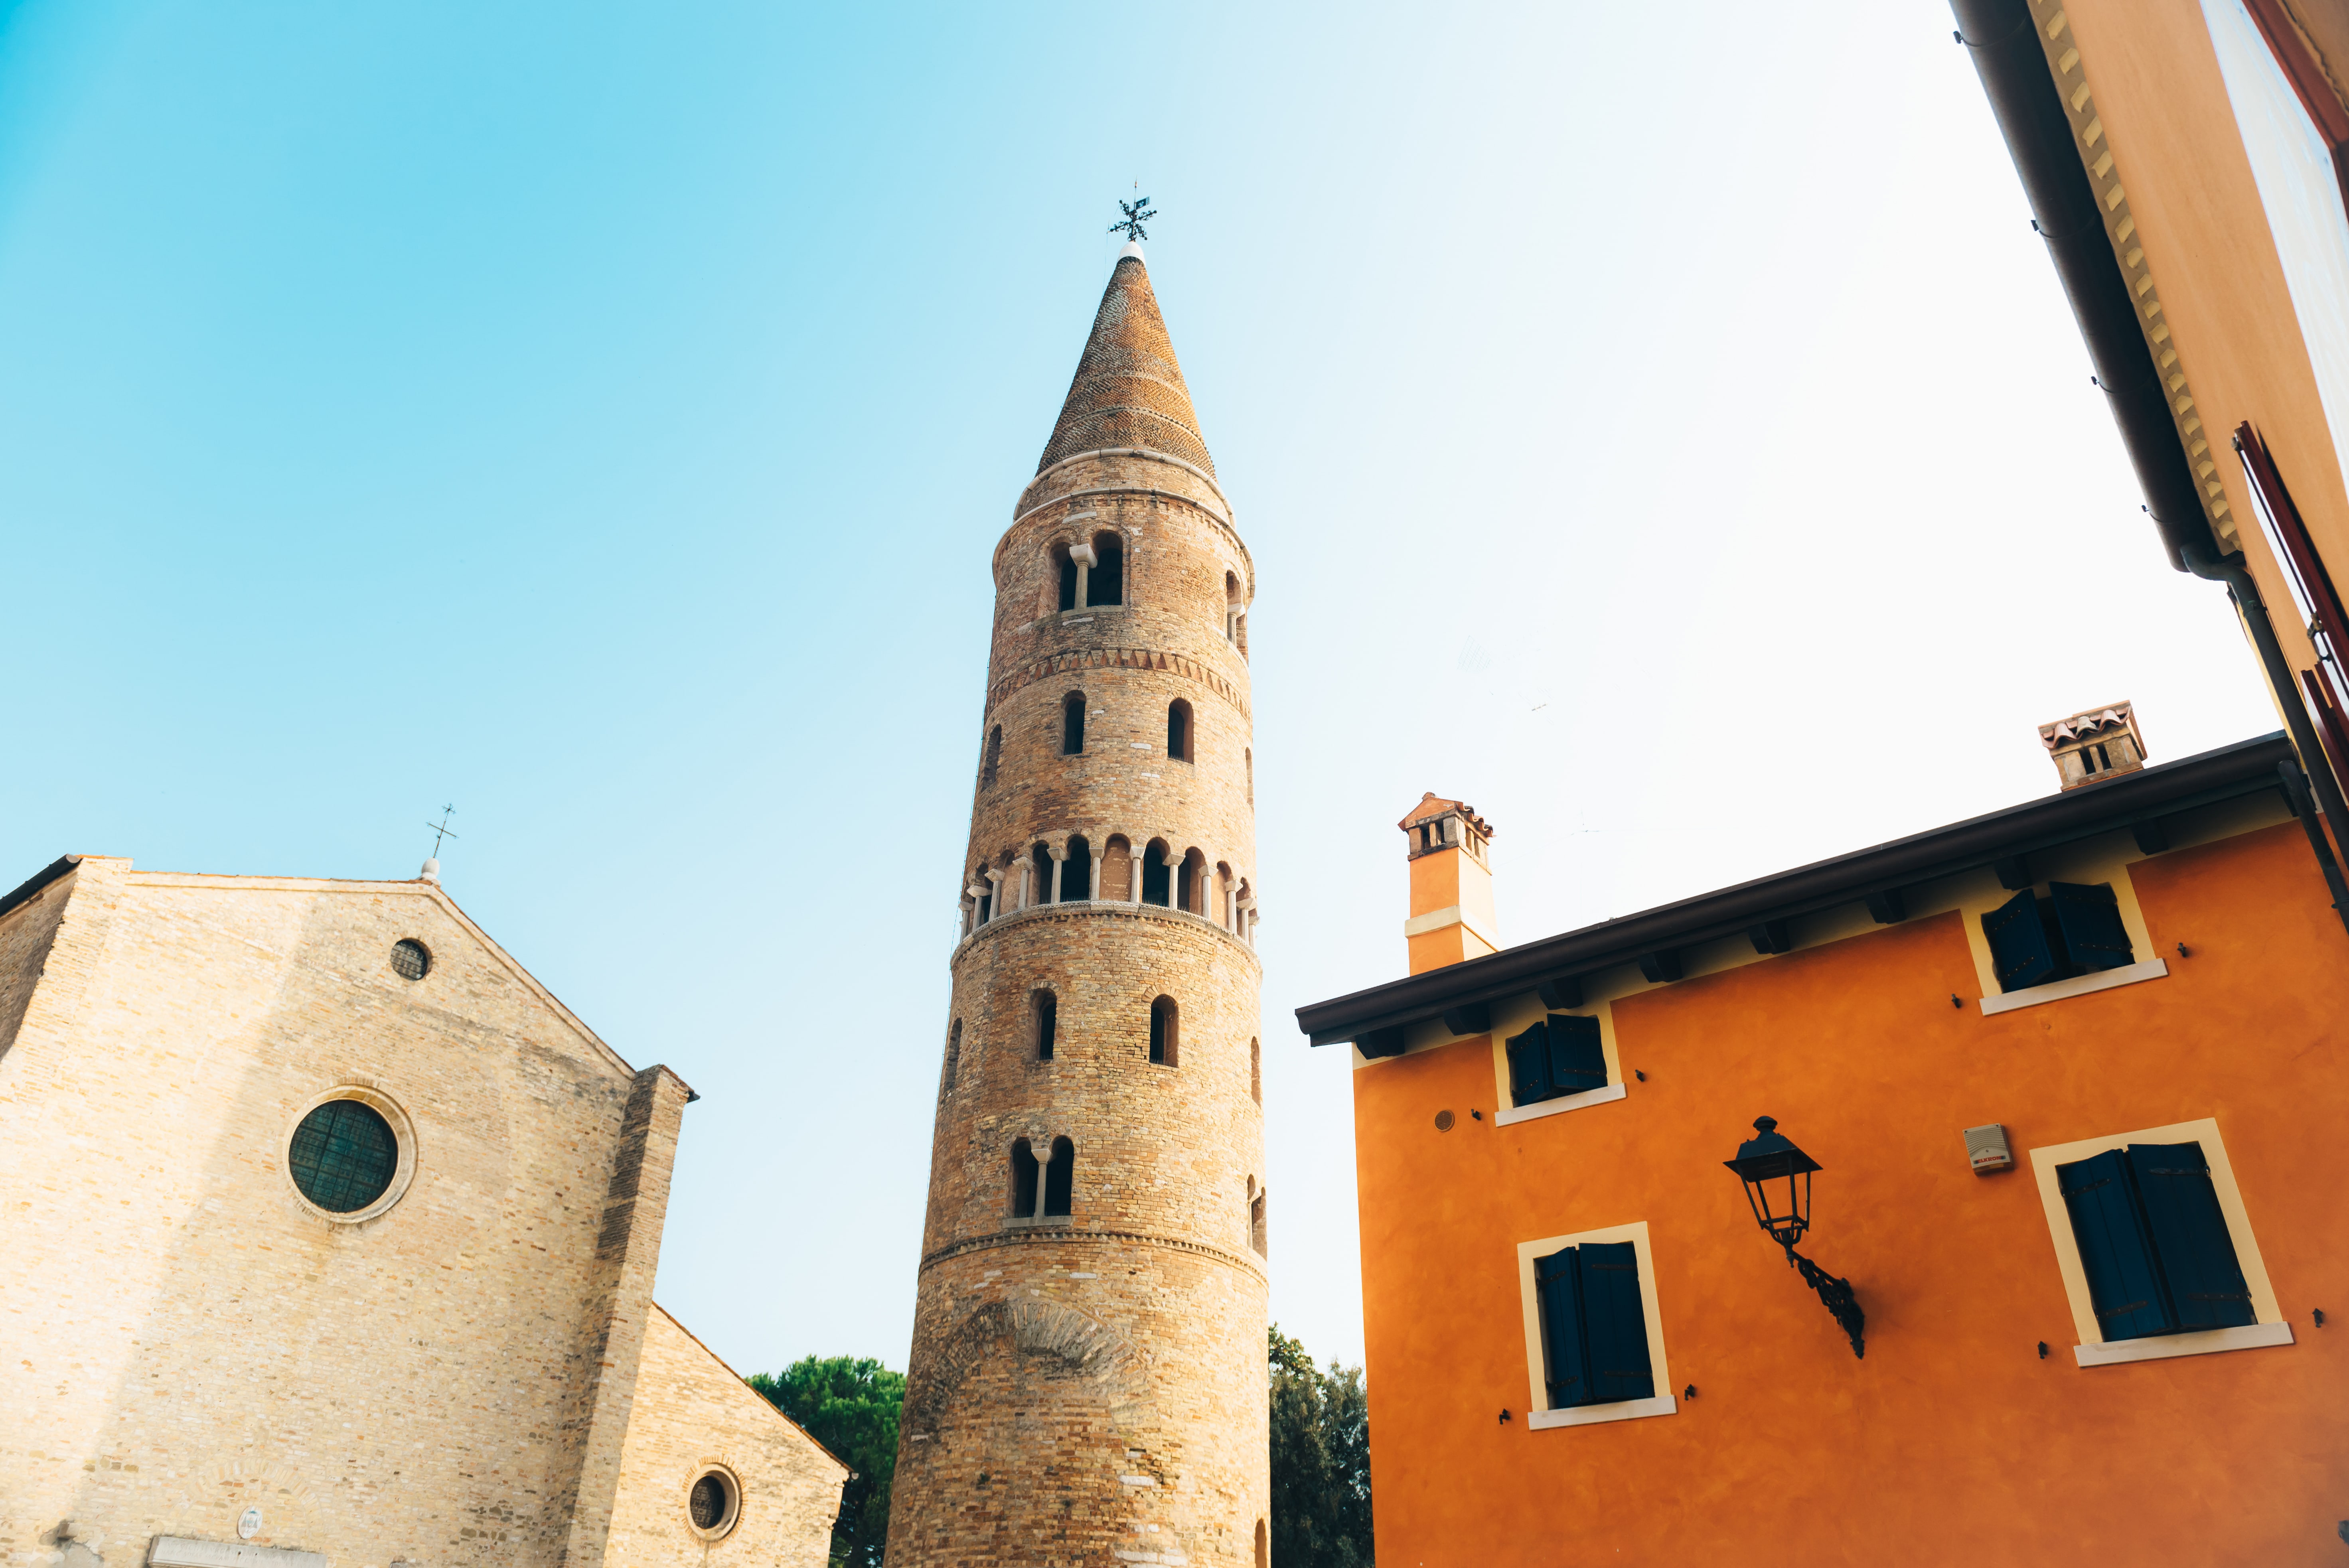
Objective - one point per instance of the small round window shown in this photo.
(411, 958)
(712, 1503)
(343, 1156)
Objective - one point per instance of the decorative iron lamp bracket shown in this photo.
(1777, 1178)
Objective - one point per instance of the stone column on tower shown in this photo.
(1087, 1382)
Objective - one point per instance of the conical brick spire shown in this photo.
(1129, 391)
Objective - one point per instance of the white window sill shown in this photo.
(1517, 1113)
(1592, 1414)
(2078, 985)
(2161, 1347)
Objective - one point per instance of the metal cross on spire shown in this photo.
(1136, 214)
(440, 830)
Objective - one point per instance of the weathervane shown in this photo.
(440, 830)
(1136, 214)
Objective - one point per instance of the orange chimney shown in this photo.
(1451, 885)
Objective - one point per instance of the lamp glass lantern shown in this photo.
(1777, 1178)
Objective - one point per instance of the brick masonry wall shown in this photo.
(1093, 1389)
(694, 1412)
(187, 1337)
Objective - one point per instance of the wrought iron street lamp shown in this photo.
(1777, 1178)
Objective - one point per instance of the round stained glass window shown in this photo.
(710, 1502)
(343, 1156)
(410, 958)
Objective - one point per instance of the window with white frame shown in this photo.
(2155, 1247)
(1594, 1338)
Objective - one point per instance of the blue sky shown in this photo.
(1670, 438)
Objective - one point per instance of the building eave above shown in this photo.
(2243, 768)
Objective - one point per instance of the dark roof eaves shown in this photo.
(2229, 771)
(22, 892)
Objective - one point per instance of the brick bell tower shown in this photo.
(1087, 1383)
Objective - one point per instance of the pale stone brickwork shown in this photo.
(449, 1381)
(692, 1412)
(1092, 1389)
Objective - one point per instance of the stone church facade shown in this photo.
(330, 1240)
(1087, 1382)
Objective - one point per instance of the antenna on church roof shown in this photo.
(440, 830)
(1136, 214)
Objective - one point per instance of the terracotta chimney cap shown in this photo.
(2087, 725)
(1431, 805)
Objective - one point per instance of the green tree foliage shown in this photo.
(850, 1405)
(1321, 1461)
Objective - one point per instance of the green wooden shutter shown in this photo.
(2125, 1283)
(1577, 1062)
(2089, 916)
(1529, 1067)
(1613, 1325)
(1558, 1285)
(2018, 943)
(2189, 1235)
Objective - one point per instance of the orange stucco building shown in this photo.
(2187, 162)
(1583, 1349)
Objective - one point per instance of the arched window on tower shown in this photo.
(1157, 883)
(1023, 1181)
(1178, 730)
(1191, 882)
(1077, 871)
(1060, 1179)
(1105, 584)
(1165, 1034)
(1117, 870)
(1068, 565)
(992, 759)
(1255, 1072)
(1072, 723)
(1258, 1237)
(985, 910)
(1048, 1022)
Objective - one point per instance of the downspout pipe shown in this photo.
(2004, 45)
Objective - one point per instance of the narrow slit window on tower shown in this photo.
(1248, 760)
(1023, 1181)
(1077, 871)
(1258, 1239)
(1157, 883)
(1255, 1072)
(1060, 1179)
(994, 756)
(1105, 584)
(1072, 723)
(1178, 730)
(954, 1054)
(1048, 1022)
(1068, 600)
(1165, 1041)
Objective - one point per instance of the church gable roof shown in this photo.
(1129, 390)
(748, 1392)
(592, 1046)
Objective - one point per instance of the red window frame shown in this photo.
(2326, 687)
